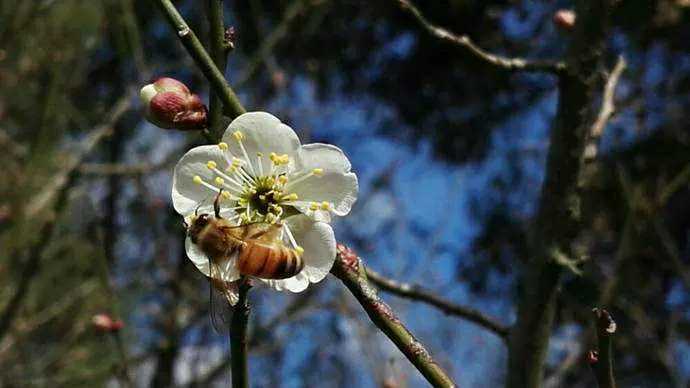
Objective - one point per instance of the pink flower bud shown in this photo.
(564, 18)
(117, 325)
(170, 105)
(101, 322)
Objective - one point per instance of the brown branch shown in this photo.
(601, 360)
(349, 269)
(416, 292)
(61, 185)
(558, 220)
(464, 42)
(608, 108)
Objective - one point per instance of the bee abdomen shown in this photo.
(269, 262)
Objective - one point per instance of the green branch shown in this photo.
(349, 269)
(216, 34)
(233, 106)
(238, 337)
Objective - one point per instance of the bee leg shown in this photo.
(216, 204)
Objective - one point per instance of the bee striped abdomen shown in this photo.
(269, 261)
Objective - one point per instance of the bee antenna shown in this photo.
(196, 211)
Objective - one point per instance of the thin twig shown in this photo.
(558, 221)
(348, 269)
(415, 292)
(238, 337)
(63, 182)
(463, 41)
(608, 108)
(601, 360)
(271, 40)
(233, 106)
(216, 35)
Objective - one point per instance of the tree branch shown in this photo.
(608, 108)
(349, 269)
(216, 35)
(63, 182)
(558, 218)
(601, 360)
(464, 42)
(220, 86)
(238, 337)
(416, 292)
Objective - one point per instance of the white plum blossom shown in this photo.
(264, 174)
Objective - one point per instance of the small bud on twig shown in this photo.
(170, 105)
(104, 323)
(564, 19)
(230, 39)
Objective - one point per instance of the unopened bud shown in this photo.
(170, 105)
(117, 325)
(104, 323)
(101, 322)
(564, 18)
(230, 38)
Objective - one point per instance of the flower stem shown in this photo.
(216, 33)
(349, 269)
(238, 337)
(233, 106)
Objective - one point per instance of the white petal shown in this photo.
(228, 269)
(336, 185)
(262, 133)
(318, 241)
(297, 283)
(187, 195)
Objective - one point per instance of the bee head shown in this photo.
(198, 223)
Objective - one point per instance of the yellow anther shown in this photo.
(237, 135)
(225, 195)
(223, 146)
(313, 206)
(211, 164)
(317, 171)
(325, 205)
(259, 154)
(299, 250)
(270, 181)
(197, 179)
(283, 179)
(219, 181)
(291, 197)
(284, 159)
(236, 162)
(270, 218)
(272, 155)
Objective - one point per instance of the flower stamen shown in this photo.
(314, 172)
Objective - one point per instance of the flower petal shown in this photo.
(186, 194)
(297, 283)
(228, 269)
(262, 132)
(318, 241)
(336, 184)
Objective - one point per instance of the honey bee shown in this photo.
(260, 251)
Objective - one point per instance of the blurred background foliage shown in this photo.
(449, 152)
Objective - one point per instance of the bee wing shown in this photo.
(222, 295)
